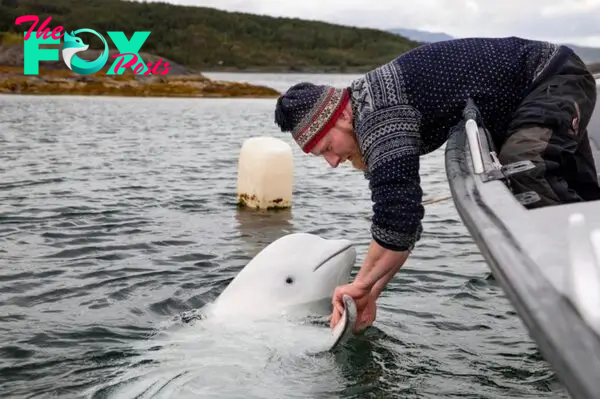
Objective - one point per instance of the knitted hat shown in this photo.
(309, 111)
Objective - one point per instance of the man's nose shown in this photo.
(332, 159)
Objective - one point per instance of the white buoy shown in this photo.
(265, 174)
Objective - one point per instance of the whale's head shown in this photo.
(296, 273)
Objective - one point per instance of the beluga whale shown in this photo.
(294, 276)
(261, 337)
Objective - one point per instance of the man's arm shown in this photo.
(393, 156)
(379, 267)
(388, 129)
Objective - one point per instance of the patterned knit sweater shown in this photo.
(405, 109)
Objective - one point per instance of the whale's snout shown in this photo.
(340, 250)
(336, 264)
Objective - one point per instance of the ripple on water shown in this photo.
(119, 215)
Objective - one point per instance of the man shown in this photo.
(535, 98)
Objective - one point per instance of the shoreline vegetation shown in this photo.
(66, 82)
(193, 40)
(55, 78)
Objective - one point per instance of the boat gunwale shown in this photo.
(564, 339)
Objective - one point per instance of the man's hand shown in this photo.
(366, 306)
(359, 294)
(378, 269)
(366, 316)
(354, 290)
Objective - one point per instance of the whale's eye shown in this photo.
(289, 280)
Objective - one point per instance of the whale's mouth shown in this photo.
(333, 255)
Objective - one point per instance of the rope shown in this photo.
(433, 201)
(429, 202)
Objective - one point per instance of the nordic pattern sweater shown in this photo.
(406, 108)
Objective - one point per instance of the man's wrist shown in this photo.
(363, 284)
(383, 270)
(379, 267)
(380, 285)
(377, 289)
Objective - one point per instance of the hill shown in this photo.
(589, 55)
(56, 78)
(421, 35)
(208, 39)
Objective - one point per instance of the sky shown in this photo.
(566, 21)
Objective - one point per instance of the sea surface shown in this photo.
(118, 216)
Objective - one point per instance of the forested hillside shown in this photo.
(206, 38)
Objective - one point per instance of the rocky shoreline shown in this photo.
(60, 82)
(54, 78)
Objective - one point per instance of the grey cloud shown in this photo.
(456, 17)
(533, 23)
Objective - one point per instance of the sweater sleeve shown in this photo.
(391, 142)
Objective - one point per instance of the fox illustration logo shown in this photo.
(73, 44)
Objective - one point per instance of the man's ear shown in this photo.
(347, 113)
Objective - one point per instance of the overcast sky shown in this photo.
(572, 21)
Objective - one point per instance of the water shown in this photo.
(118, 215)
(281, 82)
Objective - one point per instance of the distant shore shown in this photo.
(66, 82)
(291, 70)
(55, 78)
(594, 69)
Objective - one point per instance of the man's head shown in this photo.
(320, 120)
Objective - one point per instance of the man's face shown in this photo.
(340, 145)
